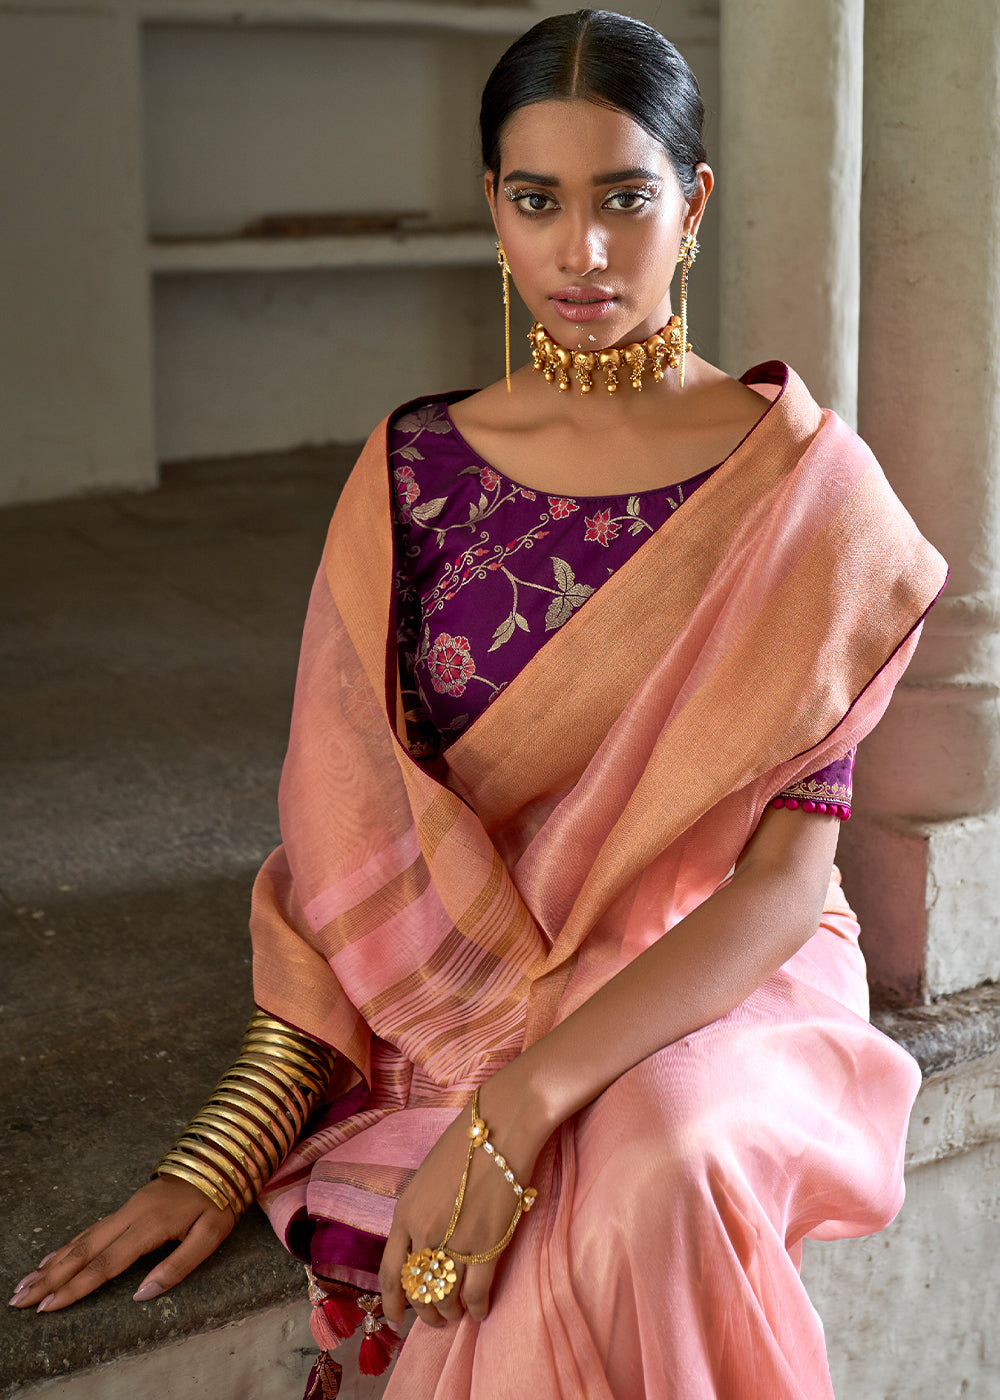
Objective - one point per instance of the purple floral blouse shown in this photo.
(486, 569)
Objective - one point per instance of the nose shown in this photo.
(582, 248)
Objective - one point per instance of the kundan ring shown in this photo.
(428, 1276)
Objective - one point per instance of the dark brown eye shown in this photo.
(626, 200)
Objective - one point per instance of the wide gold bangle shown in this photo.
(254, 1116)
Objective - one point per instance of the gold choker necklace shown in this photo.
(555, 361)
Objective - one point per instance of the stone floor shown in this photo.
(149, 645)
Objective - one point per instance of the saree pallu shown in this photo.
(428, 921)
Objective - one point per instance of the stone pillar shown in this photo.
(924, 856)
(790, 188)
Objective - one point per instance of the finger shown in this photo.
(204, 1237)
(429, 1315)
(394, 1296)
(394, 1256)
(449, 1309)
(93, 1258)
(22, 1287)
(451, 1306)
(59, 1266)
(438, 1312)
(476, 1288)
(85, 1268)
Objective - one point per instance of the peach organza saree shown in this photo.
(426, 921)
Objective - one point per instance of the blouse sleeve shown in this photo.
(827, 790)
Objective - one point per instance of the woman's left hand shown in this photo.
(425, 1207)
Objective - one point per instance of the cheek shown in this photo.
(525, 254)
(656, 254)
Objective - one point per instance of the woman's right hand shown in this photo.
(166, 1208)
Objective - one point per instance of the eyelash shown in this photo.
(643, 196)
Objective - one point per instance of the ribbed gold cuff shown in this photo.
(254, 1116)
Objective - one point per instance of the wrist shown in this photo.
(520, 1109)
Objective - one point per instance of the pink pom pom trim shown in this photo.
(836, 809)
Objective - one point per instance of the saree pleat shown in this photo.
(427, 921)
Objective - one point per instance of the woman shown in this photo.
(584, 669)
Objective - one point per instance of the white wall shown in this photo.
(245, 363)
(124, 130)
(240, 123)
(243, 123)
(74, 348)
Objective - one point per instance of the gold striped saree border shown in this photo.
(734, 728)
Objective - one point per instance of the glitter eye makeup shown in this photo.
(644, 194)
(516, 196)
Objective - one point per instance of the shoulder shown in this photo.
(423, 413)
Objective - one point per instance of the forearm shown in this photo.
(704, 967)
(254, 1116)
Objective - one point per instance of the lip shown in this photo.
(583, 303)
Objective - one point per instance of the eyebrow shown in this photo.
(611, 177)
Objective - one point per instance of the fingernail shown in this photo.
(48, 1259)
(28, 1278)
(150, 1289)
(44, 1305)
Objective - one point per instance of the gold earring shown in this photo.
(687, 255)
(504, 273)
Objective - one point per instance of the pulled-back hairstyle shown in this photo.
(608, 59)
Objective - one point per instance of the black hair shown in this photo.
(608, 59)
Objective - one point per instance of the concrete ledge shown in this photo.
(958, 1028)
(910, 1313)
(266, 1356)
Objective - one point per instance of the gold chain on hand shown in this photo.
(429, 1275)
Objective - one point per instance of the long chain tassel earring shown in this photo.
(505, 272)
(687, 255)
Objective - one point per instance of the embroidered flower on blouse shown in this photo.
(489, 479)
(450, 664)
(407, 490)
(528, 495)
(601, 527)
(428, 418)
(561, 506)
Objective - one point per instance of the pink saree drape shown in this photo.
(427, 923)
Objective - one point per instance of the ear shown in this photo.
(489, 187)
(697, 202)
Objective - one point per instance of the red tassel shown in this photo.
(343, 1315)
(377, 1348)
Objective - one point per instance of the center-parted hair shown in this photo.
(608, 59)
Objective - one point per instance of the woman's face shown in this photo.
(591, 217)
